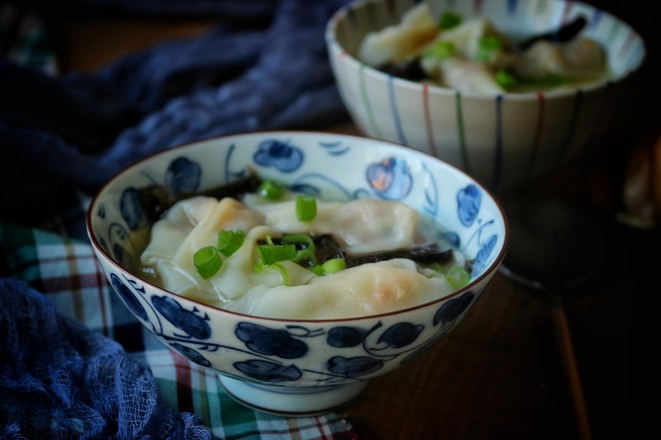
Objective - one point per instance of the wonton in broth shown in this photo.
(473, 56)
(389, 260)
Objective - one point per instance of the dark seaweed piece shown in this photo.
(157, 199)
(565, 33)
(426, 254)
(407, 69)
(327, 247)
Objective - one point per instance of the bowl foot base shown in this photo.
(284, 401)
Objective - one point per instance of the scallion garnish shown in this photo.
(284, 273)
(207, 261)
(317, 269)
(271, 189)
(306, 208)
(304, 248)
(457, 277)
(230, 241)
(272, 253)
(487, 46)
(333, 265)
(306, 256)
(449, 19)
(505, 79)
(298, 239)
(440, 50)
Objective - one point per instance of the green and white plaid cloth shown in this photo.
(66, 271)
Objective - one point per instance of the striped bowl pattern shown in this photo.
(504, 140)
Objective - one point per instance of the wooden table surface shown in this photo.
(498, 375)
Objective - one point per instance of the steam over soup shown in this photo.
(472, 55)
(277, 253)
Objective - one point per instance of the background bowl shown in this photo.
(503, 141)
(297, 366)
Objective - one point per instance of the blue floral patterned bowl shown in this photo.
(504, 140)
(296, 367)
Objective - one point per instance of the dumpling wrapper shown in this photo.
(401, 41)
(364, 290)
(463, 75)
(188, 226)
(467, 36)
(578, 59)
(362, 226)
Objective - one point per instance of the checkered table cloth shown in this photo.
(66, 271)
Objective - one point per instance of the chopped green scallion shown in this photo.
(333, 265)
(449, 19)
(457, 277)
(505, 79)
(282, 270)
(230, 241)
(284, 273)
(298, 239)
(272, 253)
(487, 46)
(440, 50)
(317, 269)
(207, 261)
(271, 189)
(306, 255)
(306, 208)
(305, 248)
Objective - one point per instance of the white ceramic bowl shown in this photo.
(502, 140)
(296, 367)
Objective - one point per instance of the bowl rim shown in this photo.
(433, 89)
(488, 273)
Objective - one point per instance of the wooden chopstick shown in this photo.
(568, 357)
